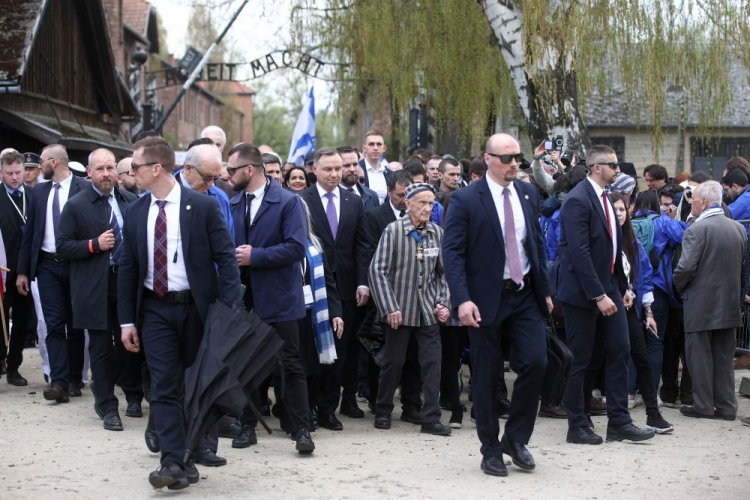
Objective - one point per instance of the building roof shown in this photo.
(617, 109)
(18, 22)
(229, 88)
(140, 17)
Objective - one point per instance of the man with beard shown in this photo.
(272, 164)
(39, 259)
(90, 238)
(125, 179)
(350, 178)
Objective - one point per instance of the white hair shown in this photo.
(214, 128)
(198, 154)
(711, 191)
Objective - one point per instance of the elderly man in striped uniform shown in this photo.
(408, 284)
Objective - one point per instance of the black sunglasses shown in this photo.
(135, 166)
(508, 158)
(232, 170)
(614, 165)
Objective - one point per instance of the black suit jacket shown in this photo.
(207, 249)
(84, 218)
(583, 268)
(474, 249)
(369, 197)
(28, 259)
(12, 227)
(377, 220)
(348, 256)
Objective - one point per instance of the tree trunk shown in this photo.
(542, 121)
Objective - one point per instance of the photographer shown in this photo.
(544, 174)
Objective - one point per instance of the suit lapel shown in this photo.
(485, 197)
(597, 204)
(186, 219)
(140, 230)
(346, 209)
(319, 214)
(528, 216)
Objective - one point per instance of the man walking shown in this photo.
(710, 276)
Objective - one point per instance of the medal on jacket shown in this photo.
(420, 252)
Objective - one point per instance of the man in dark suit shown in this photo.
(270, 238)
(588, 279)
(495, 267)
(376, 175)
(177, 259)
(39, 259)
(350, 178)
(90, 238)
(15, 200)
(338, 219)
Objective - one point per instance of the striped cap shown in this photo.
(623, 184)
(418, 187)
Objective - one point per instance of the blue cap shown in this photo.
(624, 184)
(31, 160)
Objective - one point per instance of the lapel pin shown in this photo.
(526, 196)
(188, 207)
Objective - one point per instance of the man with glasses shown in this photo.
(589, 280)
(39, 259)
(375, 173)
(495, 266)
(125, 179)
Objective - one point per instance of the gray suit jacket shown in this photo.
(710, 274)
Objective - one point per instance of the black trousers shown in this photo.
(350, 370)
(331, 376)
(65, 345)
(411, 379)
(582, 327)
(674, 351)
(110, 360)
(639, 355)
(451, 338)
(22, 309)
(520, 320)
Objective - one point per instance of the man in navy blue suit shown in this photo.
(177, 259)
(495, 267)
(270, 236)
(38, 259)
(589, 280)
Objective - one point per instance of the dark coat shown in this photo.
(377, 219)
(33, 237)
(278, 236)
(388, 172)
(205, 241)
(474, 249)
(348, 256)
(12, 227)
(583, 269)
(369, 197)
(84, 217)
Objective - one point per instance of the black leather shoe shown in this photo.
(55, 392)
(629, 432)
(597, 407)
(503, 407)
(720, 416)
(3, 367)
(134, 410)
(112, 421)
(208, 458)
(170, 475)
(412, 416)
(191, 472)
(230, 431)
(15, 378)
(304, 444)
(689, 411)
(382, 421)
(246, 437)
(518, 452)
(265, 410)
(494, 466)
(351, 410)
(152, 441)
(436, 428)
(583, 435)
(74, 390)
(330, 422)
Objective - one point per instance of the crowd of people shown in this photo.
(378, 276)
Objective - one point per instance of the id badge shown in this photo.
(307, 290)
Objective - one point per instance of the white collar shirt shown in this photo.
(396, 211)
(376, 180)
(48, 242)
(176, 271)
(324, 199)
(608, 208)
(519, 222)
(259, 194)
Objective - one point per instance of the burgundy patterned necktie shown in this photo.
(161, 280)
(511, 244)
(609, 226)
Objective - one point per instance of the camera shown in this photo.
(687, 194)
(555, 144)
(567, 157)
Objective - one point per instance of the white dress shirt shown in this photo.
(176, 272)
(612, 217)
(518, 220)
(396, 211)
(376, 180)
(324, 199)
(255, 204)
(48, 243)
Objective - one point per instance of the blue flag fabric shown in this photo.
(303, 139)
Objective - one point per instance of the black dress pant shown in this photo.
(520, 320)
(65, 345)
(331, 376)
(411, 379)
(639, 355)
(451, 337)
(22, 309)
(674, 351)
(582, 326)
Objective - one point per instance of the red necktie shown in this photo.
(609, 227)
(161, 280)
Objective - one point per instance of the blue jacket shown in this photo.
(740, 208)
(667, 235)
(437, 213)
(551, 234)
(217, 194)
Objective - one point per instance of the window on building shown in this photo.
(711, 155)
(616, 143)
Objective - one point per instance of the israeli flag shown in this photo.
(303, 139)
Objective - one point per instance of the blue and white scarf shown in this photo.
(320, 321)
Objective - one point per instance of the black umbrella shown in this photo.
(237, 352)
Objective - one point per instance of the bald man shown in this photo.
(39, 259)
(495, 265)
(125, 179)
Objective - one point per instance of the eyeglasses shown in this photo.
(508, 158)
(42, 160)
(232, 170)
(135, 166)
(206, 178)
(129, 174)
(614, 165)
